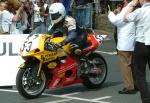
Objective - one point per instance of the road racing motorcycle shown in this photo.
(46, 69)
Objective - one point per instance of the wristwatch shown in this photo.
(132, 4)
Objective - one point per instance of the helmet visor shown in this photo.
(55, 16)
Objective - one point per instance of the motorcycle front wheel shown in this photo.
(28, 84)
(96, 80)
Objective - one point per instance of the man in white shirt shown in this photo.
(125, 47)
(141, 17)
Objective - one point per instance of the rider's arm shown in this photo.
(70, 24)
(71, 36)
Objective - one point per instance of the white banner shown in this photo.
(9, 58)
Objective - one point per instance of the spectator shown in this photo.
(39, 13)
(38, 18)
(26, 14)
(10, 17)
(125, 47)
(20, 21)
(142, 46)
(30, 14)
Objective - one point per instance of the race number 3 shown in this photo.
(27, 46)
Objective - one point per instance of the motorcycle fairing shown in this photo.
(34, 47)
(60, 78)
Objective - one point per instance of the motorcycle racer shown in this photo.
(78, 37)
(64, 25)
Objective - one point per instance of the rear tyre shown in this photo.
(28, 84)
(98, 79)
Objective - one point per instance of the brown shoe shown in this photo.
(126, 91)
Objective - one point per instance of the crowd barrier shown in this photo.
(9, 58)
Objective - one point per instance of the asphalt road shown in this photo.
(108, 93)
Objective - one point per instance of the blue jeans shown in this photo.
(84, 15)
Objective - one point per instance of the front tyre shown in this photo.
(96, 80)
(28, 84)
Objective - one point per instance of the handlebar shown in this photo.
(50, 46)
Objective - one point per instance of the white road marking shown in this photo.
(77, 98)
(5, 90)
(67, 97)
(59, 101)
(71, 94)
(109, 53)
(96, 99)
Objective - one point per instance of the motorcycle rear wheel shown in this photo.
(97, 80)
(28, 84)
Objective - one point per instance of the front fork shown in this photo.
(39, 70)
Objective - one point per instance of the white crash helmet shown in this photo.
(57, 12)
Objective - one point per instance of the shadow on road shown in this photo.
(79, 88)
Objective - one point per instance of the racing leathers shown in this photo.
(69, 28)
